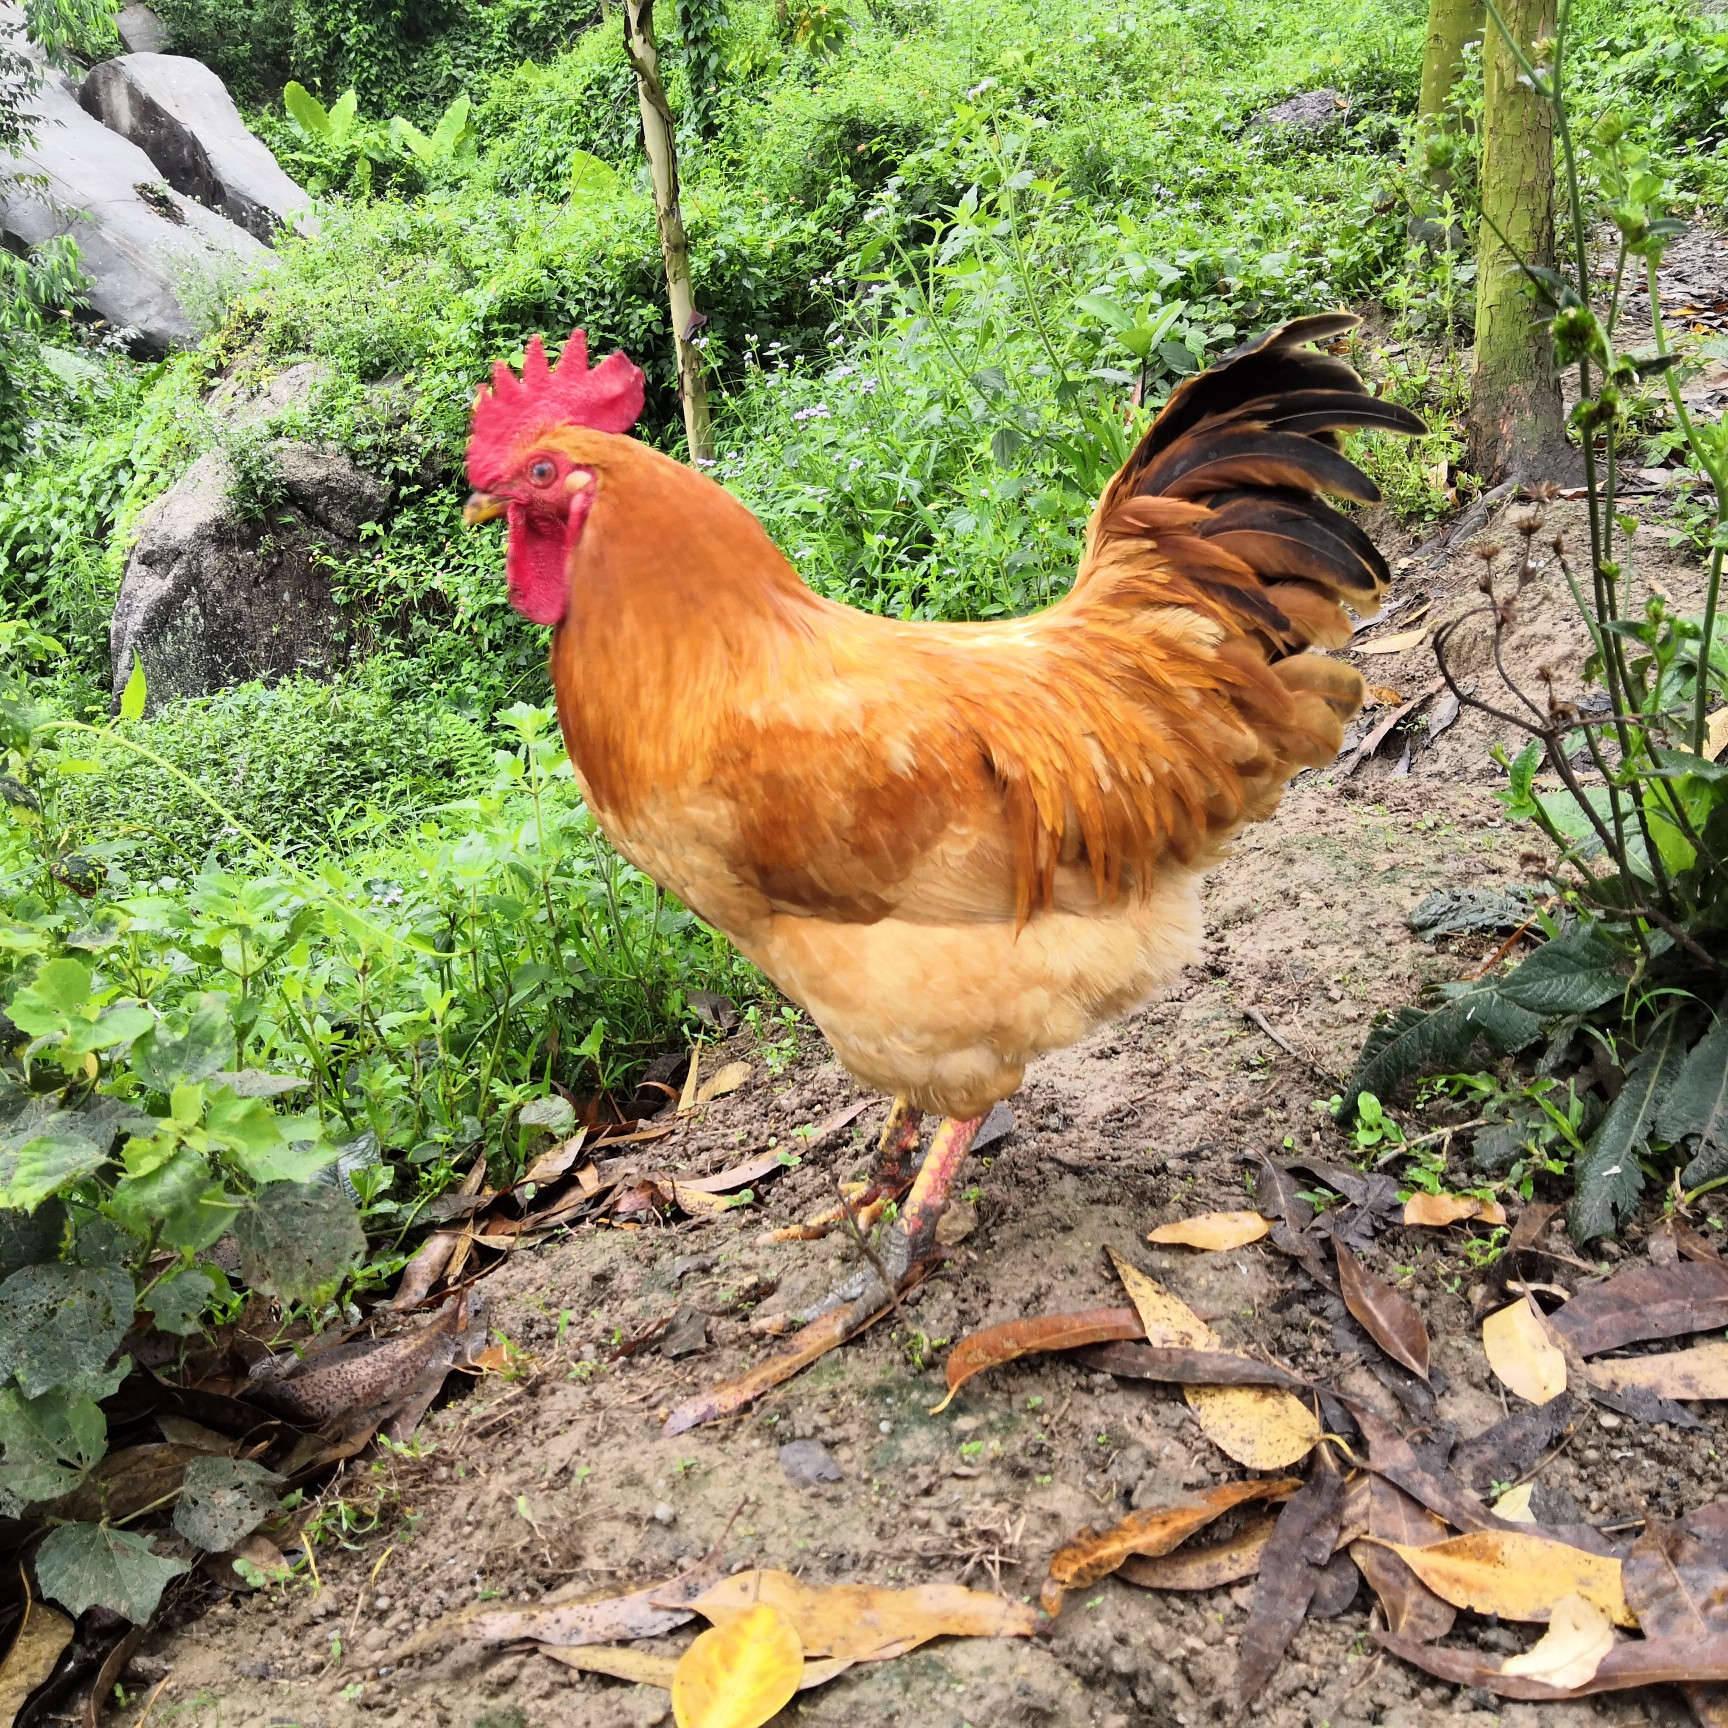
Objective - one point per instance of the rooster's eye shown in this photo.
(543, 473)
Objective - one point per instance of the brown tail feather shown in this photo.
(1231, 484)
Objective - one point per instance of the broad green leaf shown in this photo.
(48, 1444)
(43, 1007)
(1698, 1104)
(1608, 1179)
(1421, 1041)
(296, 1237)
(94, 1565)
(1569, 975)
(451, 129)
(590, 177)
(132, 697)
(553, 1113)
(343, 115)
(60, 1324)
(287, 1163)
(307, 112)
(408, 138)
(47, 1164)
(26, 1237)
(177, 1304)
(123, 1021)
(223, 1500)
(1106, 310)
(179, 1199)
(186, 1047)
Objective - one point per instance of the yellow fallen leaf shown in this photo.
(1514, 1575)
(1397, 643)
(739, 1675)
(1522, 1352)
(1167, 1319)
(1579, 1635)
(1514, 1504)
(1716, 738)
(1435, 1211)
(729, 1079)
(1382, 696)
(620, 1661)
(687, 1097)
(41, 1638)
(1698, 1373)
(1261, 1427)
(865, 1623)
(1213, 1231)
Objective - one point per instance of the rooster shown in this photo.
(956, 845)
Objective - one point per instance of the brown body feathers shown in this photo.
(961, 844)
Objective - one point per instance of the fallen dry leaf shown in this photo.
(1636, 1662)
(1264, 1429)
(1394, 1322)
(1523, 1354)
(1436, 1211)
(1213, 1231)
(1399, 642)
(1218, 1563)
(552, 1164)
(1579, 1635)
(35, 1650)
(739, 1675)
(863, 1622)
(620, 1661)
(1008, 1342)
(729, 1079)
(1382, 696)
(1645, 1302)
(1183, 1367)
(1393, 1458)
(1514, 1504)
(1095, 1554)
(610, 1620)
(626, 1662)
(1290, 1570)
(1716, 738)
(1697, 1373)
(743, 1175)
(1516, 1575)
(1677, 1586)
(1409, 1606)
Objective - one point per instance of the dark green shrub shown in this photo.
(300, 760)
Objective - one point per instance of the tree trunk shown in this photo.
(1516, 431)
(1452, 26)
(658, 140)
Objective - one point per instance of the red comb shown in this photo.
(605, 398)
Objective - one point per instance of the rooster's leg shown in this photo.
(867, 1200)
(906, 1251)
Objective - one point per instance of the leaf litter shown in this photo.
(1305, 1558)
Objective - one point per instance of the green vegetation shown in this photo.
(1635, 802)
(950, 258)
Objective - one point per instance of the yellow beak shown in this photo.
(482, 507)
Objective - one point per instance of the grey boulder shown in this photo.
(222, 587)
(179, 113)
(141, 31)
(1313, 114)
(146, 251)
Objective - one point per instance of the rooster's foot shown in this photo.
(907, 1254)
(865, 1202)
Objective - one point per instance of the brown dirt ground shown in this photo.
(555, 1475)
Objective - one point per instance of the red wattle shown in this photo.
(537, 566)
